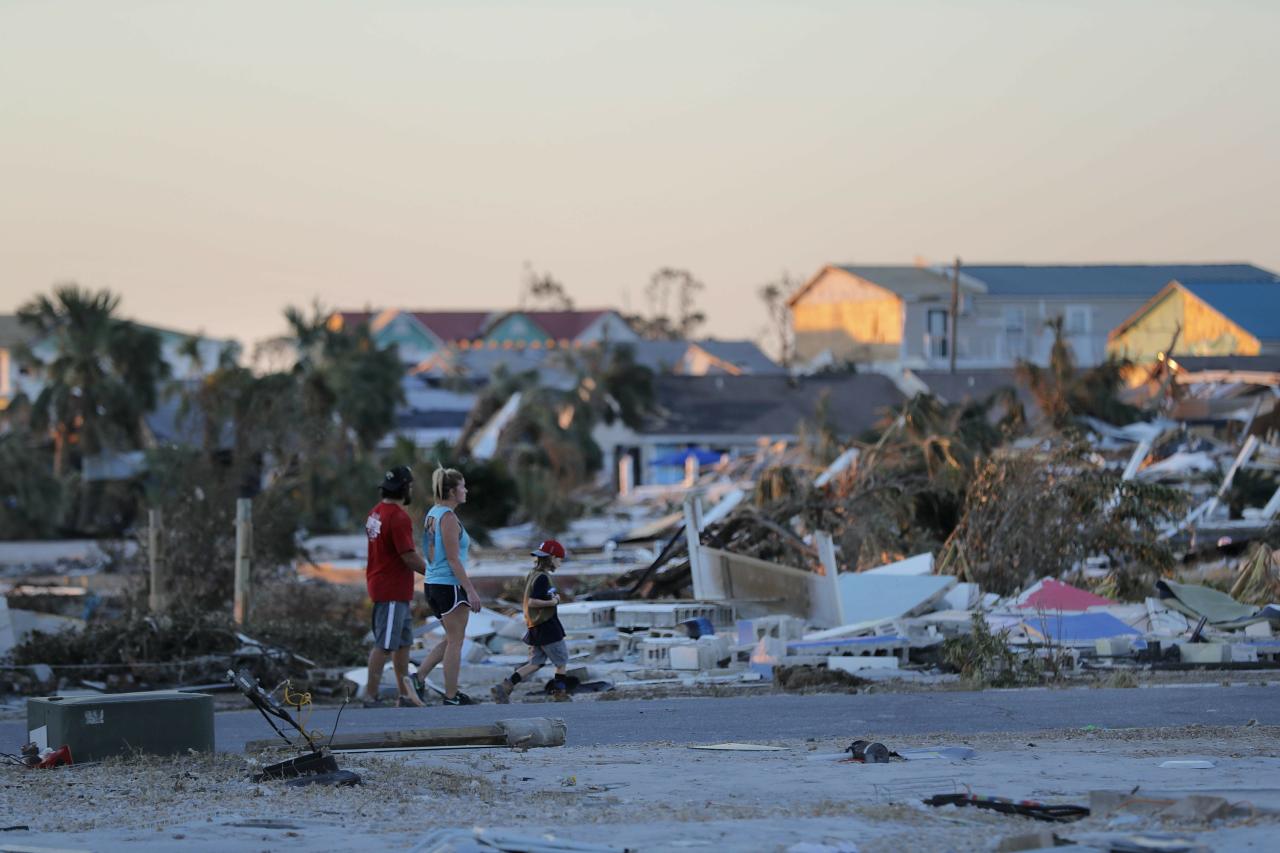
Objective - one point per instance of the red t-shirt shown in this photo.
(390, 534)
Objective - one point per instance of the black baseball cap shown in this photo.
(396, 479)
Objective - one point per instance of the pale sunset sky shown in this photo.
(214, 162)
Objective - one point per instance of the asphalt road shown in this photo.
(767, 717)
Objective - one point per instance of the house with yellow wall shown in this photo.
(873, 314)
(900, 316)
(1202, 318)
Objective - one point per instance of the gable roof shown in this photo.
(1120, 280)
(452, 326)
(564, 325)
(909, 280)
(1252, 305)
(902, 279)
(1253, 301)
(751, 406)
(744, 355)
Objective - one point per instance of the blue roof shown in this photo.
(1252, 305)
(1121, 280)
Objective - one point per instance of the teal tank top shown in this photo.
(438, 569)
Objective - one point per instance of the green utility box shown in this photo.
(161, 722)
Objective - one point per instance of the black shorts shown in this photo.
(444, 598)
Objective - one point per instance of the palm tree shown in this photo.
(103, 375)
(1064, 392)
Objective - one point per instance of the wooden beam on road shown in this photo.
(518, 734)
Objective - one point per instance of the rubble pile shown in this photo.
(1148, 545)
(955, 541)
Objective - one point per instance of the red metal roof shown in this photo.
(450, 326)
(1056, 595)
(563, 325)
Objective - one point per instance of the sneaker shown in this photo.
(460, 698)
(375, 703)
(501, 693)
(415, 688)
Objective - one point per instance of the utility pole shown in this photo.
(244, 547)
(955, 309)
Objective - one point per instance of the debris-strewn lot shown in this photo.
(660, 796)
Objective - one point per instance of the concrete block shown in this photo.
(670, 615)
(587, 615)
(695, 658)
(1113, 647)
(854, 663)
(781, 627)
(655, 652)
(1205, 652)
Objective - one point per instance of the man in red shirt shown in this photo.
(392, 562)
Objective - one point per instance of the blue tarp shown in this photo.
(1078, 627)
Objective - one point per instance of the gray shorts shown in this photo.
(392, 625)
(557, 653)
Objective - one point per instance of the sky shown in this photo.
(215, 162)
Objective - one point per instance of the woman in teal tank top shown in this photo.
(450, 593)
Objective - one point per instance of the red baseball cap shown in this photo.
(549, 548)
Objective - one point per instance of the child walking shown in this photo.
(545, 636)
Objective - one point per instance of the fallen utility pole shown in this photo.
(518, 734)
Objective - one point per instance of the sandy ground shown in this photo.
(652, 797)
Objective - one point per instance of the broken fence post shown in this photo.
(244, 547)
(158, 599)
(827, 554)
(626, 474)
(693, 535)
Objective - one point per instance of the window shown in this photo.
(1077, 320)
(936, 333)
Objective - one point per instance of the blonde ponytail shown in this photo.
(443, 482)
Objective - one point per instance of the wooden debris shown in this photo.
(519, 734)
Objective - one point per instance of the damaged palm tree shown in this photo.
(1258, 581)
(1033, 514)
(547, 442)
(1063, 392)
(905, 494)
